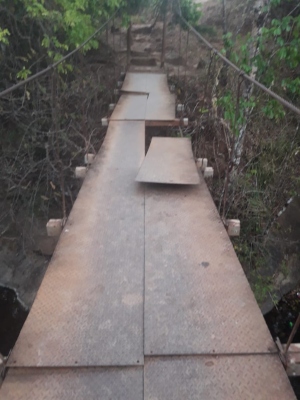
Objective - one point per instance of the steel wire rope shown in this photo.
(54, 65)
(280, 99)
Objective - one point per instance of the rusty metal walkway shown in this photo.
(144, 297)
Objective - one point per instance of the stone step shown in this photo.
(143, 61)
(153, 70)
(139, 54)
(142, 28)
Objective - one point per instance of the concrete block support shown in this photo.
(80, 172)
(199, 162)
(104, 122)
(204, 164)
(234, 227)
(54, 227)
(208, 172)
(89, 158)
(180, 107)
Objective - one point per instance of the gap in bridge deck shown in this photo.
(156, 131)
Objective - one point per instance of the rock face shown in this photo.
(23, 261)
(12, 316)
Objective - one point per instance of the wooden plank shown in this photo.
(171, 123)
(162, 123)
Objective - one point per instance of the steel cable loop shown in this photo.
(54, 65)
(242, 73)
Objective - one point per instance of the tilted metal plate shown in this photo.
(217, 378)
(72, 384)
(89, 308)
(169, 160)
(197, 297)
(130, 107)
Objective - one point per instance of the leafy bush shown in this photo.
(190, 11)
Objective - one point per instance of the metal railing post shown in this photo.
(163, 51)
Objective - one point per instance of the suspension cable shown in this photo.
(54, 65)
(237, 69)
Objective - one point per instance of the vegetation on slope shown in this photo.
(47, 125)
(260, 141)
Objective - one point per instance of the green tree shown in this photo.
(53, 27)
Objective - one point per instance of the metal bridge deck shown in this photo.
(160, 102)
(197, 298)
(130, 107)
(251, 377)
(89, 308)
(146, 82)
(73, 384)
(144, 297)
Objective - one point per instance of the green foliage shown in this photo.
(227, 41)
(274, 110)
(4, 33)
(280, 58)
(42, 28)
(191, 11)
(268, 172)
(235, 113)
(262, 288)
(277, 60)
(134, 6)
(24, 73)
(72, 21)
